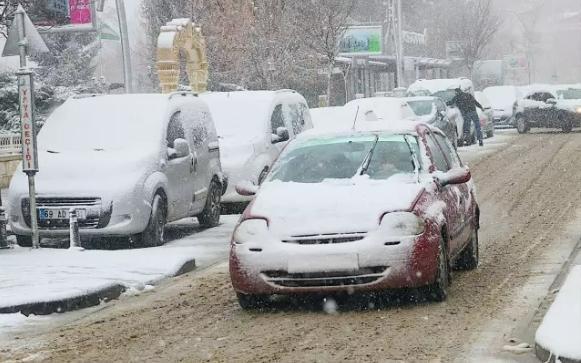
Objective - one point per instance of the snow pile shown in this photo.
(560, 331)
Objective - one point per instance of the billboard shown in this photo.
(63, 15)
(361, 40)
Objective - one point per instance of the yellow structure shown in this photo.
(178, 38)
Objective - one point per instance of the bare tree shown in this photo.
(473, 27)
(323, 23)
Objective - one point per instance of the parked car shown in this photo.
(357, 211)
(386, 109)
(549, 107)
(128, 164)
(445, 90)
(433, 111)
(486, 116)
(253, 127)
(503, 100)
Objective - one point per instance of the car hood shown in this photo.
(82, 172)
(333, 206)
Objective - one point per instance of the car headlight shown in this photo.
(402, 224)
(250, 230)
(578, 109)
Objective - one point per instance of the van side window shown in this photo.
(276, 119)
(175, 129)
(200, 130)
(296, 118)
(305, 115)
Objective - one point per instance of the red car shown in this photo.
(357, 211)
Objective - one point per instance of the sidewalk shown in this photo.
(51, 280)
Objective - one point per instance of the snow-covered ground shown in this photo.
(47, 274)
(560, 331)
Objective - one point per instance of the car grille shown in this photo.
(322, 239)
(325, 279)
(95, 218)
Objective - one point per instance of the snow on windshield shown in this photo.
(422, 108)
(128, 122)
(240, 116)
(316, 160)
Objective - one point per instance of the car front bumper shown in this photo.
(370, 264)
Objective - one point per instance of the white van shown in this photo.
(253, 127)
(127, 163)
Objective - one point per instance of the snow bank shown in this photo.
(560, 331)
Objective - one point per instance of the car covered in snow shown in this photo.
(357, 211)
(549, 107)
(444, 89)
(503, 100)
(385, 109)
(127, 164)
(433, 111)
(486, 116)
(253, 127)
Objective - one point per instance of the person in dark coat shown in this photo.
(467, 104)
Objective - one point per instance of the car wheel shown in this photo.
(468, 259)
(438, 291)
(522, 126)
(210, 216)
(566, 124)
(24, 241)
(154, 232)
(252, 302)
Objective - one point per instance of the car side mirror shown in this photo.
(454, 176)
(246, 188)
(180, 149)
(282, 135)
(552, 101)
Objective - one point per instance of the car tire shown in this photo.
(468, 259)
(24, 241)
(153, 235)
(438, 291)
(522, 125)
(566, 124)
(252, 302)
(210, 216)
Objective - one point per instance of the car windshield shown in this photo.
(422, 108)
(316, 160)
(446, 95)
(570, 94)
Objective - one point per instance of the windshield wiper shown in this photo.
(365, 164)
(415, 160)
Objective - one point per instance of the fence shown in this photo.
(10, 144)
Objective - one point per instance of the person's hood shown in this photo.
(91, 172)
(333, 206)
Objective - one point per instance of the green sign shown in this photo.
(362, 40)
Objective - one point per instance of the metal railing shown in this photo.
(10, 144)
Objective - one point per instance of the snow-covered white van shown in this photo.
(128, 164)
(253, 127)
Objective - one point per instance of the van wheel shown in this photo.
(566, 124)
(522, 126)
(154, 232)
(24, 241)
(210, 216)
(438, 291)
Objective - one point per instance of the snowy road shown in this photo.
(528, 192)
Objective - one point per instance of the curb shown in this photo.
(84, 301)
(546, 356)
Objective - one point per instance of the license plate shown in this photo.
(336, 262)
(52, 213)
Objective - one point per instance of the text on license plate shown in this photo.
(44, 213)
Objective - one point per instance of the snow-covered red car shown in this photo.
(357, 211)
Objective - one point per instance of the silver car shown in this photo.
(128, 164)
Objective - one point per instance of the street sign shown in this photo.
(362, 40)
(28, 128)
(34, 42)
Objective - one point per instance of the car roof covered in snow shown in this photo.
(422, 98)
(435, 85)
(376, 127)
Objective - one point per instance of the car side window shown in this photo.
(305, 115)
(277, 120)
(449, 151)
(437, 154)
(175, 129)
(295, 117)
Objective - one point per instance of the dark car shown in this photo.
(551, 107)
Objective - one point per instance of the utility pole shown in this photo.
(394, 33)
(125, 48)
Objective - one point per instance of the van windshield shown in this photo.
(104, 124)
